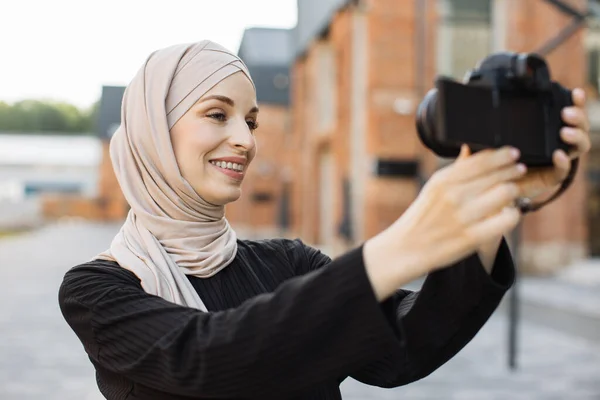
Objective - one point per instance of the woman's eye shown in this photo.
(253, 125)
(218, 116)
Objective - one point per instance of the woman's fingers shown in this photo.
(576, 117)
(578, 138)
(489, 202)
(578, 96)
(484, 162)
(481, 184)
(562, 166)
(494, 226)
(465, 152)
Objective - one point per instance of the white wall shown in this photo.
(20, 215)
(27, 159)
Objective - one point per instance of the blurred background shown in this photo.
(338, 83)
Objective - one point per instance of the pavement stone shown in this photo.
(40, 357)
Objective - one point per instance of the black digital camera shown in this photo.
(508, 99)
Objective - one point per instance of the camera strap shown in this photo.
(526, 206)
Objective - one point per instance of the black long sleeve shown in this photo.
(435, 323)
(285, 321)
(311, 329)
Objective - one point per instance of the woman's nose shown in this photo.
(242, 137)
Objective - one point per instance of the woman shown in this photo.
(179, 308)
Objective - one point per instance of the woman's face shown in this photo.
(214, 141)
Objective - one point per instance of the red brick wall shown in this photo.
(392, 74)
(309, 141)
(298, 114)
(341, 40)
(391, 62)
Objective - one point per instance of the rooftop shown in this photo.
(266, 46)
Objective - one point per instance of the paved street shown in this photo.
(40, 358)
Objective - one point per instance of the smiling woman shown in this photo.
(218, 132)
(179, 308)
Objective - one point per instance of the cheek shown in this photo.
(254, 150)
(191, 146)
(202, 141)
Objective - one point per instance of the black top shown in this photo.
(285, 322)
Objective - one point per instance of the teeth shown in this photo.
(228, 165)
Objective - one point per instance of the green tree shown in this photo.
(38, 116)
(89, 117)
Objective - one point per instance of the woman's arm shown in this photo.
(435, 323)
(315, 327)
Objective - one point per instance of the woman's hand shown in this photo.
(544, 181)
(462, 206)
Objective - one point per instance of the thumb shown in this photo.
(465, 152)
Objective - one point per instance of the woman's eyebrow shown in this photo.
(225, 100)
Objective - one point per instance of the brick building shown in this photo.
(360, 69)
(357, 79)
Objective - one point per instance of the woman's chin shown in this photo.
(232, 198)
(224, 196)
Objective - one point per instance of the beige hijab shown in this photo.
(170, 232)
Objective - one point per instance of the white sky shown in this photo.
(67, 49)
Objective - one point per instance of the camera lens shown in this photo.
(426, 119)
(429, 124)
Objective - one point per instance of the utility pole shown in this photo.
(499, 27)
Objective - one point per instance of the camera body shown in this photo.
(509, 99)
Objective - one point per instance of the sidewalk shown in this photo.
(568, 302)
(40, 357)
(576, 288)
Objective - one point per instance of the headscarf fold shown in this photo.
(170, 231)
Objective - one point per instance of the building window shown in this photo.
(467, 11)
(325, 87)
(464, 35)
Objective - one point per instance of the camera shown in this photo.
(509, 99)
